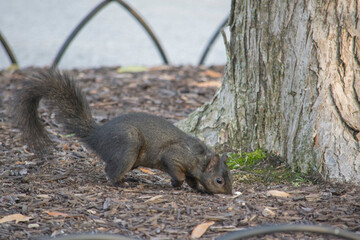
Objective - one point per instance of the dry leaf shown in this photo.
(236, 194)
(43, 196)
(200, 229)
(91, 211)
(53, 133)
(213, 74)
(268, 212)
(316, 141)
(314, 197)
(144, 170)
(216, 84)
(159, 68)
(154, 198)
(26, 151)
(277, 193)
(33, 225)
(56, 214)
(17, 217)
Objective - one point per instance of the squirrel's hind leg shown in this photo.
(124, 153)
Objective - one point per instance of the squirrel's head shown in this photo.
(214, 176)
(217, 177)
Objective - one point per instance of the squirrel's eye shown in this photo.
(219, 180)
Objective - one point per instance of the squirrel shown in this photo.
(123, 143)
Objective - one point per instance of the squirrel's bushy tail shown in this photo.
(64, 95)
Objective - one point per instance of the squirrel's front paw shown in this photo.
(176, 183)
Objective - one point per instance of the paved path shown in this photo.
(35, 30)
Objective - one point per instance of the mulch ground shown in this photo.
(67, 191)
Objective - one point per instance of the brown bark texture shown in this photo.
(291, 86)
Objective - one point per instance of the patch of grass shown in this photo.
(242, 160)
(258, 166)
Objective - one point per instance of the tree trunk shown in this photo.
(291, 86)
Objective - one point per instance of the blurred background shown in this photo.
(36, 29)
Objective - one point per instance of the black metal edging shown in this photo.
(262, 230)
(92, 14)
(212, 40)
(237, 235)
(8, 50)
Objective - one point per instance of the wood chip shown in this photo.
(200, 229)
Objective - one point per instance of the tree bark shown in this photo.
(291, 86)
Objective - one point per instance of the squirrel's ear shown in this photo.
(224, 158)
(214, 161)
